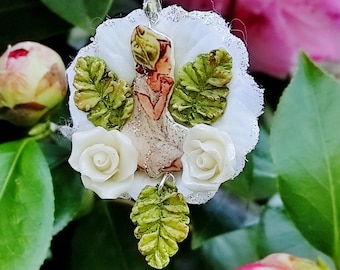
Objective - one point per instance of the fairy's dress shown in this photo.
(156, 137)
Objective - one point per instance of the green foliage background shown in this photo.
(286, 200)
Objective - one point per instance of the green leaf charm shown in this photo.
(200, 95)
(161, 216)
(107, 99)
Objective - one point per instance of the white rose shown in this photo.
(208, 159)
(106, 160)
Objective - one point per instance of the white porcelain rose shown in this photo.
(208, 159)
(106, 160)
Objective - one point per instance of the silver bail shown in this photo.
(152, 9)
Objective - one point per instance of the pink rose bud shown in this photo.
(283, 261)
(32, 82)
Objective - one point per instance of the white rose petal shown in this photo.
(99, 162)
(209, 158)
(106, 160)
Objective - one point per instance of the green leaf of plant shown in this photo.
(107, 99)
(162, 220)
(104, 240)
(200, 95)
(277, 233)
(86, 14)
(231, 250)
(306, 151)
(26, 206)
(71, 198)
(223, 213)
(28, 20)
(258, 180)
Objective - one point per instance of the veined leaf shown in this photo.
(305, 141)
(200, 95)
(26, 206)
(107, 99)
(162, 220)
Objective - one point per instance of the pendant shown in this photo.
(163, 113)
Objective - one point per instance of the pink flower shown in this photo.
(283, 261)
(32, 82)
(276, 31)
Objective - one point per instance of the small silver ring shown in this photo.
(165, 178)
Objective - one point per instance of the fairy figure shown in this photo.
(155, 135)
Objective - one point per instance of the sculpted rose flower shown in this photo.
(106, 160)
(209, 158)
(32, 82)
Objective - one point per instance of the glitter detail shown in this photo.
(200, 197)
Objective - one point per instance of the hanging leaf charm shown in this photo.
(161, 216)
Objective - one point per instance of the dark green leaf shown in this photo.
(26, 206)
(306, 151)
(122, 7)
(231, 250)
(278, 234)
(70, 195)
(27, 20)
(71, 198)
(104, 240)
(258, 179)
(223, 213)
(86, 14)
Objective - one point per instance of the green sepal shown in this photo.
(162, 218)
(200, 94)
(107, 100)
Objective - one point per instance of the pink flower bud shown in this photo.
(283, 261)
(32, 82)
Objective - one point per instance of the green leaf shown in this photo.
(258, 179)
(86, 14)
(278, 234)
(28, 20)
(104, 240)
(26, 206)
(71, 198)
(107, 99)
(120, 7)
(306, 151)
(162, 220)
(200, 95)
(223, 213)
(231, 250)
